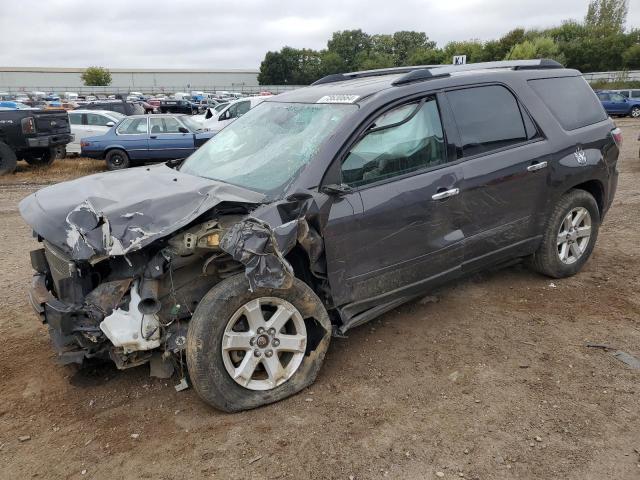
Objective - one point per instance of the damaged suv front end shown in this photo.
(127, 256)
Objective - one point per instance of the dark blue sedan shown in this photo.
(146, 138)
(616, 104)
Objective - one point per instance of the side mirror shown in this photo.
(110, 124)
(183, 130)
(336, 189)
(299, 195)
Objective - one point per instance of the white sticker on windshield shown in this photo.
(338, 98)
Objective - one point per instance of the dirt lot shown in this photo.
(491, 381)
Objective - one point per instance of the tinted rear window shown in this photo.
(571, 100)
(489, 118)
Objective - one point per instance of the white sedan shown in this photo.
(87, 123)
(233, 110)
(209, 112)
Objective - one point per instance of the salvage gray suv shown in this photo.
(317, 211)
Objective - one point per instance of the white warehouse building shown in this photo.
(14, 79)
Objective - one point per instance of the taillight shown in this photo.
(616, 133)
(28, 125)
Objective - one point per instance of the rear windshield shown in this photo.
(571, 100)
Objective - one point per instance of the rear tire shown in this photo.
(8, 159)
(565, 247)
(297, 364)
(117, 159)
(47, 158)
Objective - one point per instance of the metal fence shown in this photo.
(621, 76)
(153, 90)
(631, 75)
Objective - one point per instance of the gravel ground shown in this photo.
(489, 378)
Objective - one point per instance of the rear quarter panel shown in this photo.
(565, 171)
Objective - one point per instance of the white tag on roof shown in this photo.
(338, 98)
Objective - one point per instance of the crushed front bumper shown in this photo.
(71, 307)
(53, 312)
(63, 321)
(49, 140)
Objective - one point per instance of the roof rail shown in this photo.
(418, 73)
(340, 77)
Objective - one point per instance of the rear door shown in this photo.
(399, 228)
(133, 135)
(505, 170)
(166, 141)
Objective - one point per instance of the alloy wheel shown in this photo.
(264, 343)
(574, 235)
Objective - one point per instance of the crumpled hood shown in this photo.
(118, 212)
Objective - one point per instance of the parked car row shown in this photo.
(117, 131)
(88, 123)
(144, 138)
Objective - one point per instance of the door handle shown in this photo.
(537, 166)
(153, 136)
(445, 194)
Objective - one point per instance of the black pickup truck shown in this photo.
(37, 136)
(178, 106)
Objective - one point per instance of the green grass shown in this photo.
(59, 171)
(620, 85)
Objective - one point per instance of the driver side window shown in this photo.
(413, 141)
(243, 107)
(232, 112)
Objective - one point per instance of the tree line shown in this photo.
(598, 43)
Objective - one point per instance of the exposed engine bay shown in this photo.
(124, 307)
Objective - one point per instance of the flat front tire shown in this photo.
(569, 237)
(247, 349)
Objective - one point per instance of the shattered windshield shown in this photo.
(265, 149)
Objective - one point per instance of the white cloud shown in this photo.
(237, 34)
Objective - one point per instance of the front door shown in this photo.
(166, 141)
(398, 231)
(619, 104)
